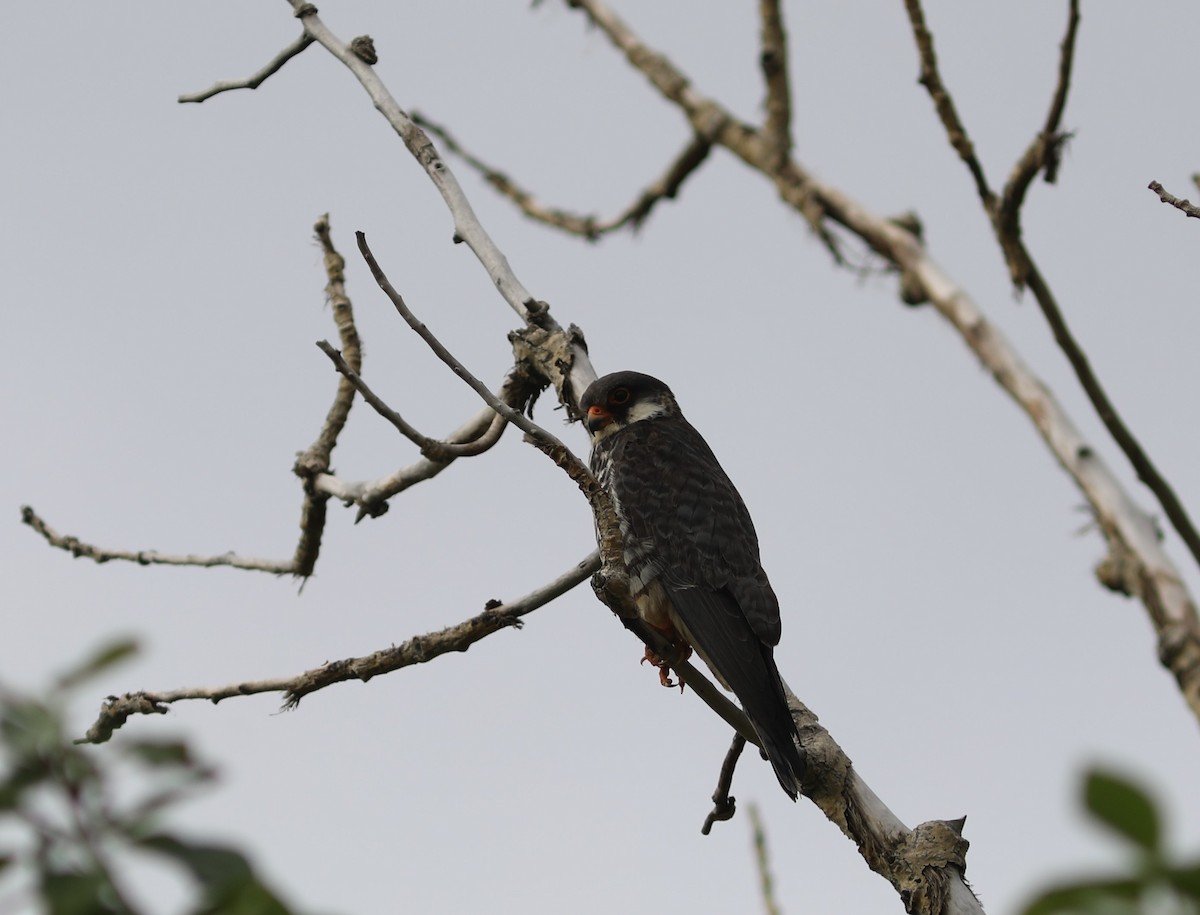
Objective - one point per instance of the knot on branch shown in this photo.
(927, 852)
(363, 48)
(1120, 570)
(305, 9)
(1179, 649)
(549, 356)
(116, 710)
(611, 587)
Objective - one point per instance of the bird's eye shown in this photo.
(619, 396)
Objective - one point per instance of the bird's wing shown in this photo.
(684, 512)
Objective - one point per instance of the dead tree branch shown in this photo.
(1043, 154)
(431, 448)
(78, 548)
(316, 459)
(371, 496)
(724, 804)
(1181, 204)
(252, 82)
(932, 81)
(773, 59)
(590, 227)
(1151, 575)
(416, 650)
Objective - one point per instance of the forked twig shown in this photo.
(590, 227)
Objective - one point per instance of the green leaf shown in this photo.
(230, 886)
(105, 657)
(85, 893)
(1185, 879)
(159, 752)
(1124, 807)
(28, 728)
(1086, 896)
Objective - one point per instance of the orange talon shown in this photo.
(680, 654)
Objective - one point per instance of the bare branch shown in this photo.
(590, 227)
(316, 459)
(1153, 577)
(78, 548)
(416, 650)
(932, 81)
(430, 447)
(252, 82)
(1044, 153)
(1006, 222)
(372, 496)
(1183, 204)
(1146, 469)
(773, 58)
(724, 804)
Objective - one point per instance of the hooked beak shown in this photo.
(597, 418)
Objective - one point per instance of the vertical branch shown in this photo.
(773, 59)
(316, 459)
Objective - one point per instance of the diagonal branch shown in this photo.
(252, 82)
(773, 59)
(371, 496)
(932, 81)
(1183, 205)
(431, 448)
(416, 650)
(1042, 153)
(590, 227)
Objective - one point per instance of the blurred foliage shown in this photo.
(1153, 882)
(69, 847)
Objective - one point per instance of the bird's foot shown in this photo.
(678, 655)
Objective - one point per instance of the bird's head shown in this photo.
(615, 401)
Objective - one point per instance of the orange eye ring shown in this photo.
(619, 397)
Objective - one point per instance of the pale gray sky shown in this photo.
(940, 613)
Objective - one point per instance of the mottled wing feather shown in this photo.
(684, 516)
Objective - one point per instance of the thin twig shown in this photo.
(773, 59)
(252, 82)
(590, 226)
(932, 81)
(1006, 221)
(762, 862)
(431, 448)
(416, 650)
(1142, 464)
(724, 804)
(1043, 154)
(371, 496)
(612, 560)
(78, 548)
(1182, 204)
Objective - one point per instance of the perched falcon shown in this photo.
(691, 550)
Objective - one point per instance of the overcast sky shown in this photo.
(934, 564)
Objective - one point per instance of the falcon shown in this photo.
(691, 551)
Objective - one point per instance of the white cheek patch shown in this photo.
(646, 409)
